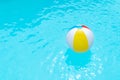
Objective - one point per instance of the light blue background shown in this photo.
(33, 40)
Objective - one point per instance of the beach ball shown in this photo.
(80, 38)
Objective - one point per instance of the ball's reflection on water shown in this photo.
(77, 59)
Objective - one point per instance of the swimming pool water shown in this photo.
(33, 40)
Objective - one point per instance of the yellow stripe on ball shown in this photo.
(80, 42)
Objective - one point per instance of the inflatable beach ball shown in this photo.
(80, 38)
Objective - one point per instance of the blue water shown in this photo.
(33, 40)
